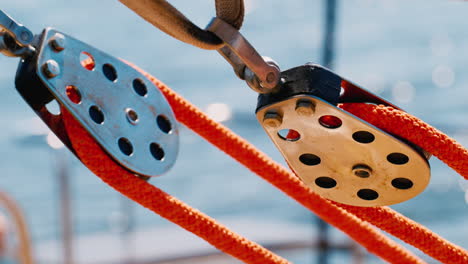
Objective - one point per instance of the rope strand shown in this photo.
(163, 204)
(416, 131)
(286, 181)
(352, 220)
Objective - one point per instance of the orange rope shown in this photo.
(196, 222)
(411, 232)
(231, 243)
(437, 143)
(95, 159)
(413, 129)
(156, 200)
(394, 121)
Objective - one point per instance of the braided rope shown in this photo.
(352, 220)
(389, 119)
(416, 131)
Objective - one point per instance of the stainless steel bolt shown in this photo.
(57, 42)
(51, 69)
(305, 107)
(272, 120)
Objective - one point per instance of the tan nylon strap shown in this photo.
(167, 18)
(231, 11)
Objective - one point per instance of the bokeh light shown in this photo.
(403, 92)
(443, 76)
(219, 112)
(441, 45)
(53, 141)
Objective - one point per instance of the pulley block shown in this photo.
(338, 155)
(123, 110)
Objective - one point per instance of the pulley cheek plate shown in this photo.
(126, 114)
(341, 157)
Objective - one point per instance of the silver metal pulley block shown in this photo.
(338, 155)
(121, 109)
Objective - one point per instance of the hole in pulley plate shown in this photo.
(164, 124)
(157, 151)
(309, 159)
(402, 183)
(96, 114)
(73, 94)
(110, 72)
(87, 61)
(397, 158)
(325, 182)
(125, 146)
(363, 137)
(289, 134)
(330, 121)
(367, 194)
(53, 107)
(139, 87)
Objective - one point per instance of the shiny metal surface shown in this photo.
(99, 92)
(20, 33)
(50, 69)
(15, 39)
(345, 167)
(241, 54)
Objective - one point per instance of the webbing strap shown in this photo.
(231, 12)
(248, 155)
(167, 18)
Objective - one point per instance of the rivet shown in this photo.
(132, 116)
(362, 171)
(270, 77)
(272, 120)
(57, 42)
(305, 108)
(51, 69)
(25, 36)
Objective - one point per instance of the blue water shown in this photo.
(381, 45)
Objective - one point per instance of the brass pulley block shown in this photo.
(338, 155)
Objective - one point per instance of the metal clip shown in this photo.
(261, 74)
(15, 39)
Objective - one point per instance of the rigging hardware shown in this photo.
(338, 155)
(261, 73)
(104, 118)
(15, 39)
(126, 114)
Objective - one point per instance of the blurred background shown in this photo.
(413, 53)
